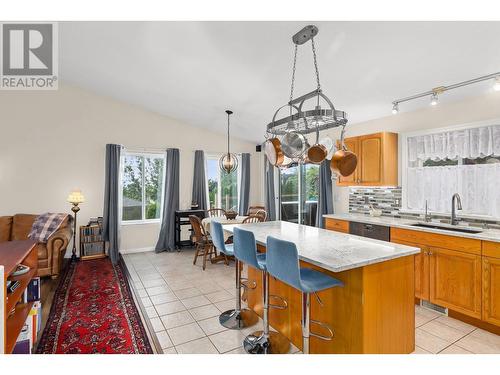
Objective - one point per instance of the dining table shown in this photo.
(224, 221)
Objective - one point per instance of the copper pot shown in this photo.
(344, 162)
(317, 152)
(273, 152)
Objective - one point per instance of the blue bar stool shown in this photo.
(237, 318)
(283, 263)
(265, 341)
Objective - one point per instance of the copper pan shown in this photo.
(273, 151)
(317, 152)
(344, 162)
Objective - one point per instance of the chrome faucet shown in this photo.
(427, 217)
(454, 219)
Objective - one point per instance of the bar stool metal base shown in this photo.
(275, 343)
(233, 319)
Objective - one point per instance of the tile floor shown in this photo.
(183, 304)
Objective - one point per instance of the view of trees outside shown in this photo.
(138, 168)
(227, 197)
(290, 180)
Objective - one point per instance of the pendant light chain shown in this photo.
(315, 63)
(228, 135)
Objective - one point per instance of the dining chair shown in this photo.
(204, 244)
(262, 213)
(252, 210)
(253, 219)
(216, 212)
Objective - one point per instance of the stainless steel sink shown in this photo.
(451, 228)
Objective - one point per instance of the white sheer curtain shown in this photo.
(478, 185)
(465, 143)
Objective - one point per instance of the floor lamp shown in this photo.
(75, 197)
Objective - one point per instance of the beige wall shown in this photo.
(54, 141)
(479, 108)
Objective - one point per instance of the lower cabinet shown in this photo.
(491, 290)
(455, 280)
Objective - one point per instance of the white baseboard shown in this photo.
(138, 250)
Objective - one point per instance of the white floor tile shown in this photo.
(176, 319)
(164, 339)
(169, 308)
(183, 334)
(197, 301)
(187, 293)
(199, 346)
(204, 312)
(227, 340)
(211, 325)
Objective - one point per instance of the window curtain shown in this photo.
(244, 184)
(325, 195)
(111, 212)
(270, 196)
(476, 184)
(166, 240)
(465, 143)
(199, 194)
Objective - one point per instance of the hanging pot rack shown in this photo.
(310, 120)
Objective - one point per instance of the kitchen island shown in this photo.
(373, 313)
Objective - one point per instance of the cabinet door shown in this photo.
(455, 280)
(491, 290)
(370, 160)
(337, 225)
(421, 270)
(352, 145)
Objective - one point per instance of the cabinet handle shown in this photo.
(431, 253)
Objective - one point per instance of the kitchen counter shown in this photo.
(329, 250)
(492, 235)
(374, 311)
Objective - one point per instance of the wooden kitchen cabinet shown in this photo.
(455, 280)
(377, 160)
(337, 225)
(491, 282)
(421, 270)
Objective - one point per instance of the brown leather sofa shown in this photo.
(51, 254)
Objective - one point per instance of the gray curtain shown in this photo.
(270, 201)
(199, 194)
(111, 220)
(166, 240)
(325, 195)
(244, 184)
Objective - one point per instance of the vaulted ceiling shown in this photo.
(193, 71)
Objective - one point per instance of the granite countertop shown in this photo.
(486, 234)
(327, 249)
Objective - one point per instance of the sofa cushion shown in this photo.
(5, 228)
(21, 226)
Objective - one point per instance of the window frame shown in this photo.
(404, 164)
(217, 156)
(143, 154)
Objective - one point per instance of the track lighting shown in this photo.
(496, 86)
(433, 93)
(434, 99)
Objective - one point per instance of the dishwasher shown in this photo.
(377, 232)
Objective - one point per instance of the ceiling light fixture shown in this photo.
(434, 99)
(228, 162)
(441, 89)
(395, 108)
(496, 86)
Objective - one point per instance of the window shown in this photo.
(223, 188)
(463, 160)
(299, 186)
(142, 187)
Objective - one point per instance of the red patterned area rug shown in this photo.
(93, 312)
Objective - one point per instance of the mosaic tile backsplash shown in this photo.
(388, 200)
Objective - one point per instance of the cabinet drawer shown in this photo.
(491, 249)
(337, 225)
(466, 245)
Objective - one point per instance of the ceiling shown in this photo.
(193, 71)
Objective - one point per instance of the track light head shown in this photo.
(434, 99)
(496, 85)
(395, 108)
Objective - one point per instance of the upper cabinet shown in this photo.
(377, 160)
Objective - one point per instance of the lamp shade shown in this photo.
(76, 197)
